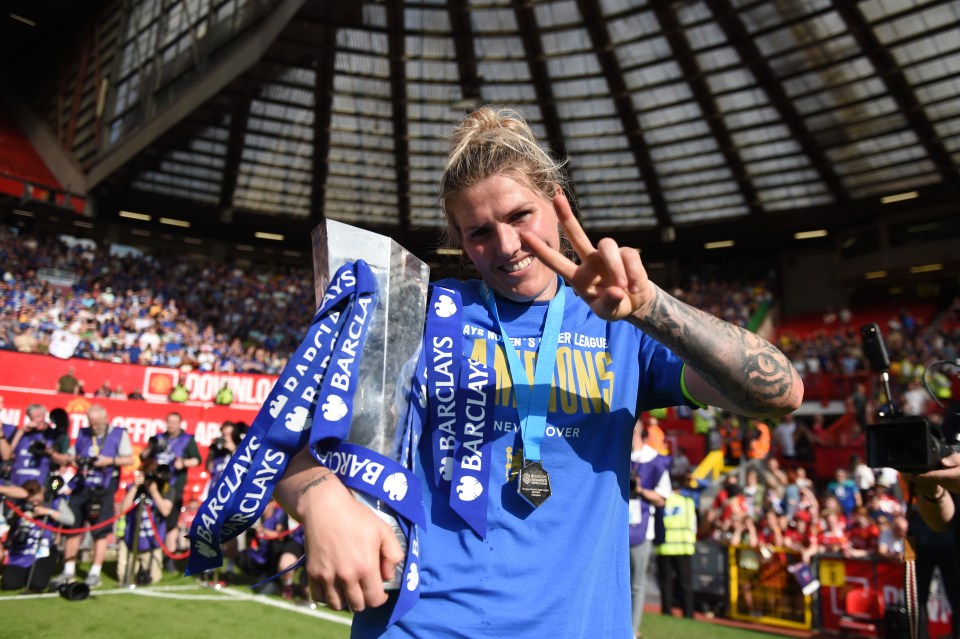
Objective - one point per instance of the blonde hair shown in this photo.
(495, 141)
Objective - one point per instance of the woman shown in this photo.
(623, 346)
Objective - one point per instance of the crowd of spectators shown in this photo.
(859, 513)
(148, 309)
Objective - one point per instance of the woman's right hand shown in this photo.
(350, 551)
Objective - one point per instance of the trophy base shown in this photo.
(386, 515)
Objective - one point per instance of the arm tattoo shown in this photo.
(316, 481)
(745, 368)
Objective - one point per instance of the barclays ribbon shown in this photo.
(471, 467)
(280, 429)
(444, 352)
(383, 479)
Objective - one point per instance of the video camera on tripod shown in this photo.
(908, 444)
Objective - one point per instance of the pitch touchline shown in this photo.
(346, 621)
(160, 592)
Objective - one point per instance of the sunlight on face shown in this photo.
(490, 216)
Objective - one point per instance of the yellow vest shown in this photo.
(680, 526)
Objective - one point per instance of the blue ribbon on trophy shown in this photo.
(334, 395)
(281, 427)
(376, 460)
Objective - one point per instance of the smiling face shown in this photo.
(490, 215)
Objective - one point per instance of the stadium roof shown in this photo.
(683, 121)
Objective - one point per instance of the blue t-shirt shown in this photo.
(560, 570)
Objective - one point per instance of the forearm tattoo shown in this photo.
(316, 481)
(745, 368)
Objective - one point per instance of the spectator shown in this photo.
(136, 394)
(770, 533)
(649, 488)
(845, 490)
(758, 438)
(104, 391)
(915, 398)
(862, 475)
(892, 536)
(783, 437)
(680, 464)
(732, 439)
(179, 392)
(224, 395)
(882, 504)
(68, 382)
(864, 533)
(754, 494)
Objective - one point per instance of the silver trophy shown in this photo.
(393, 342)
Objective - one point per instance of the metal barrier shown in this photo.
(762, 590)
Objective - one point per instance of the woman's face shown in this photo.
(490, 216)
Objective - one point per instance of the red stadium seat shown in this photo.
(864, 613)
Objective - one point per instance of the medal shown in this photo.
(533, 483)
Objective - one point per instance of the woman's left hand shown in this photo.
(610, 278)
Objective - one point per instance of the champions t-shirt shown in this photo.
(560, 570)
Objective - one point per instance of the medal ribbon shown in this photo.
(532, 402)
(282, 427)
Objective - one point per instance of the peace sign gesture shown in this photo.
(610, 278)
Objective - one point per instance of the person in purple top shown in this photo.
(146, 524)
(649, 489)
(34, 449)
(32, 557)
(99, 453)
(178, 450)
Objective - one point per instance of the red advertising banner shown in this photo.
(839, 574)
(25, 371)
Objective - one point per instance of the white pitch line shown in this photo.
(145, 592)
(279, 603)
(97, 593)
(160, 592)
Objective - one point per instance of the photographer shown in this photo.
(178, 450)
(34, 448)
(141, 545)
(98, 454)
(219, 455)
(32, 555)
(220, 451)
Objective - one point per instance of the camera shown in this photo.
(74, 590)
(54, 486)
(911, 444)
(85, 465)
(159, 476)
(219, 447)
(37, 448)
(94, 505)
(155, 446)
